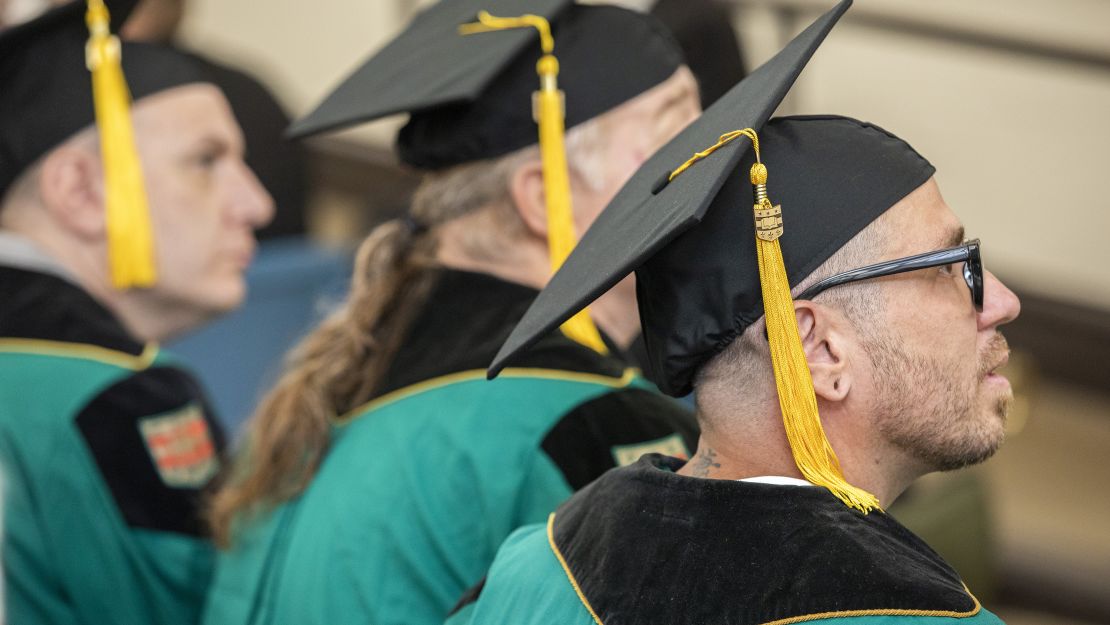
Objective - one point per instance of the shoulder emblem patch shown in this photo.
(180, 444)
(672, 445)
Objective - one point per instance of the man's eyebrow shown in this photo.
(674, 100)
(955, 238)
(222, 143)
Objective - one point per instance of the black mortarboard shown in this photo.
(46, 90)
(690, 242)
(470, 97)
(703, 276)
(61, 72)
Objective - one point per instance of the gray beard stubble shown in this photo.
(926, 411)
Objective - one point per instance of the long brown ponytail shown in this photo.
(333, 370)
(338, 365)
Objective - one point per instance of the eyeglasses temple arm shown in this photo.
(890, 268)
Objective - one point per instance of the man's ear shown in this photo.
(826, 350)
(527, 194)
(72, 191)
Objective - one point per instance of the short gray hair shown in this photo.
(741, 375)
(25, 188)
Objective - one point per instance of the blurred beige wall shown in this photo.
(1020, 143)
(300, 49)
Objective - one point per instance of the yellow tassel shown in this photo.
(130, 239)
(813, 454)
(548, 109)
(561, 235)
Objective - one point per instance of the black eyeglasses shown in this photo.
(967, 253)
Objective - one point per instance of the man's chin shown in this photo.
(978, 443)
(988, 442)
(223, 298)
(970, 457)
(232, 301)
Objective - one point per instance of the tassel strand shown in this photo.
(549, 111)
(130, 239)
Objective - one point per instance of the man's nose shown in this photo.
(1000, 304)
(252, 203)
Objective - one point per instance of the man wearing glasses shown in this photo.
(807, 436)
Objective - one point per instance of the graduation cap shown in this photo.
(470, 96)
(60, 73)
(482, 78)
(708, 266)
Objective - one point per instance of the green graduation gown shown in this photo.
(105, 446)
(420, 486)
(643, 545)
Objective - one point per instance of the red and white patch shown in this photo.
(181, 446)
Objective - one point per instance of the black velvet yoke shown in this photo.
(466, 319)
(39, 306)
(649, 546)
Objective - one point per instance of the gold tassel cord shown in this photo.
(813, 454)
(548, 108)
(127, 217)
(489, 23)
(722, 141)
